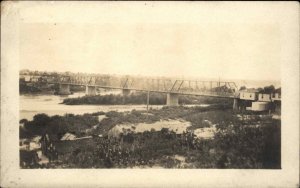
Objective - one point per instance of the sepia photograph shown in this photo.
(98, 89)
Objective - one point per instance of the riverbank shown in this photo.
(77, 124)
(252, 142)
(141, 98)
(44, 88)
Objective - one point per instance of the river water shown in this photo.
(31, 105)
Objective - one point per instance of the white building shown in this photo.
(260, 106)
(276, 96)
(249, 94)
(264, 97)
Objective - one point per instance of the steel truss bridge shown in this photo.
(126, 83)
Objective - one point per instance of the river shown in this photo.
(31, 105)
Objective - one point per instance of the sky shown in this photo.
(213, 49)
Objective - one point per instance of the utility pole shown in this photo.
(219, 87)
(148, 96)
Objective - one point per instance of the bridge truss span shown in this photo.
(161, 85)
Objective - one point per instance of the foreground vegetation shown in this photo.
(238, 148)
(250, 142)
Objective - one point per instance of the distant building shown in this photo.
(34, 79)
(276, 96)
(264, 97)
(256, 100)
(249, 94)
(27, 78)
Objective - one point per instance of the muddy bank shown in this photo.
(178, 126)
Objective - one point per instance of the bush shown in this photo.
(58, 125)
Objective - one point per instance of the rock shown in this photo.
(68, 136)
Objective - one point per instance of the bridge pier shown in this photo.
(126, 92)
(64, 89)
(172, 99)
(90, 90)
(235, 104)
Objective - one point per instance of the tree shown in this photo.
(269, 89)
(23, 121)
(41, 119)
(242, 88)
(164, 131)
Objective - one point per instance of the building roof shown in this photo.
(250, 90)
